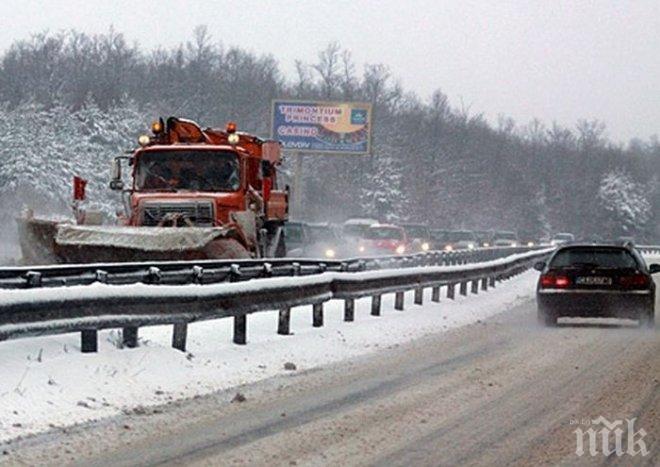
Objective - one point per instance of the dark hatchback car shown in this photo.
(596, 281)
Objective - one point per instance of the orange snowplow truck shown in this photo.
(195, 194)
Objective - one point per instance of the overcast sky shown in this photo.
(555, 60)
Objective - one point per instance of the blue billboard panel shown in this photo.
(318, 127)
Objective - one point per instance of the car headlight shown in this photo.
(486, 244)
(530, 243)
(514, 243)
(470, 246)
(449, 248)
(553, 243)
(330, 253)
(400, 249)
(426, 246)
(362, 248)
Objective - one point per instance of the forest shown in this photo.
(70, 102)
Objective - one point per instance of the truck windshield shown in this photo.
(461, 235)
(293, 232)
(417, 231)
(506, 236)
(200, 170)
(383, 233)
(322, 233)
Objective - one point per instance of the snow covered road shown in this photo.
(47, 384)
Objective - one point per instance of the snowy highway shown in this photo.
(502, 390)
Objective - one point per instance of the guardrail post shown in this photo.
(419, 296)
(33, 279)
(101, 276)
(349, 310)
(463, 288)
(89, 340)
(197, 275)
(491, 281)
(451, 291)
(484, 283)
(435, 294)
(153, 275)
(235, 273)
(398, 301)
(129, 336)
(375, 305)
(240, 329)
(317, 315)
(284, 322)
(474, 287)
(179, 336)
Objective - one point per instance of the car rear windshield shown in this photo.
(595, 258)
(506, 236)
(383, 233)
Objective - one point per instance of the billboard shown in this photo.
(322, 127)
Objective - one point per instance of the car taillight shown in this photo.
(552, 281)
(634, 281)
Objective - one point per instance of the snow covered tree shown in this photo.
(627, 208)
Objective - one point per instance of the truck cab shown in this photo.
(183, 176)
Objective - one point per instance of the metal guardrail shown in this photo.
(649, 249)
(54, 311)
(214, 271)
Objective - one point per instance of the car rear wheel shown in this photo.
(546, 318)
(647, 319)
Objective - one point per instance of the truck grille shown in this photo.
(199, 213)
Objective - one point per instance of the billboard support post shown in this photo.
(297, 184)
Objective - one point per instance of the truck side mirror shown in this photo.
(266, 169)
(116, 182)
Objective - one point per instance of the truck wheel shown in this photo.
(546, 318)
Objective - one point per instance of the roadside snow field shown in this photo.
(46, 382)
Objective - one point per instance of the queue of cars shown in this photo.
(366, 236)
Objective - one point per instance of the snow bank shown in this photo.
(46, 382)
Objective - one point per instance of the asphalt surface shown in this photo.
(502, 392)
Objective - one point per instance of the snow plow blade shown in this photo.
(48, 241)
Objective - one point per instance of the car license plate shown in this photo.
(593, 280)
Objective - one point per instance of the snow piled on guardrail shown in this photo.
(98, 290)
